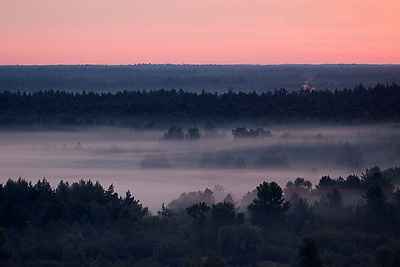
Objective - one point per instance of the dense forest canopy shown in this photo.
(351, 221)
(144, 109)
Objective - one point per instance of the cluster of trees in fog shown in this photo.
(338, 222)
(176, 133)
(147, 109)
(243, 132)
(193, 133)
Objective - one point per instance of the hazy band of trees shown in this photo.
(161, 108)
(351, 221)
(194, 78)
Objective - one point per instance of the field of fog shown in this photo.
(157, 171)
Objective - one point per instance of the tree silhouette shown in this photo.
(198, 211)
(269, 206)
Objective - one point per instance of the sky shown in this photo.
(199, 32)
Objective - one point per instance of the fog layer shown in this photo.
(157, 171)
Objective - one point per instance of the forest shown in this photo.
(352, 221)
(162, 108)
(155, 143)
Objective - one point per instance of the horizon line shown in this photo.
(205, 64)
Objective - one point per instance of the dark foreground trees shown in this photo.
(340, 222)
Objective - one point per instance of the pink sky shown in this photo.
(199, 32)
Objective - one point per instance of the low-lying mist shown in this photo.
(157, 171)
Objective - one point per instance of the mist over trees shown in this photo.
(339, 222)
(199, 131)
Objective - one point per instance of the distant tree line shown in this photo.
(221, 78)
(353, 221)
(168, 107)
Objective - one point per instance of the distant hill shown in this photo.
(194, 78)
